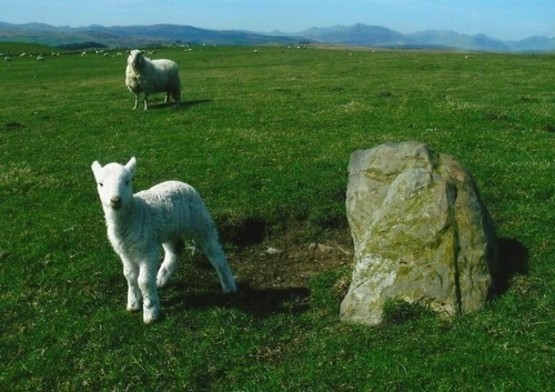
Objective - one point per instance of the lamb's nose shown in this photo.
(115, 202)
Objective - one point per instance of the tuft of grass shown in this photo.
(399, 311)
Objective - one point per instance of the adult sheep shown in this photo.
(151, 76)
(139, 225)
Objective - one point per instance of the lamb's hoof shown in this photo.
(230, 289)
(134, 307)
(161, 284)
(150, 318)
(162, 279)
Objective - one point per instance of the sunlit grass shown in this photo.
(265, 138)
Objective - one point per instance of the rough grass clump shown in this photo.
(399, 311)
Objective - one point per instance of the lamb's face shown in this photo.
(114, 183)
(136, 59)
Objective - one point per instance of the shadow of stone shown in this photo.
(243, 232)
(513, 260)
(260, 303)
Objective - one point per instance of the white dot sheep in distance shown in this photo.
(140, 224)
(151, 76)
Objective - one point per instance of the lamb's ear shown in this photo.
(131, 165)
(96, 167)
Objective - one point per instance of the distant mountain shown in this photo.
(452, 39)
(133, 36)
(356, 35)
(538, 44)
(376, 36)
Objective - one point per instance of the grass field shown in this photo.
(266, 138)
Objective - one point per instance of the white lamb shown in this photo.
(138, 225)
(151, 76)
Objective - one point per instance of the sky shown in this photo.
(504, 19)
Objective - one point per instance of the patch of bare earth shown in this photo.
(283, 264)
(272, 276)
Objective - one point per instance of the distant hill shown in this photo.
(133, 36)
(376, 36)
(356, 35)
(452, 39)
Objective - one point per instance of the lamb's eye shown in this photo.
(127, 182)
(100, 184)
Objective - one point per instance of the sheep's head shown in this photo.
(114, 183)
(136, 59)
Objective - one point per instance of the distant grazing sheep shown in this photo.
(151, 76)
(138, 225)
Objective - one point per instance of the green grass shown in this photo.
(265, 138)
(17, 48)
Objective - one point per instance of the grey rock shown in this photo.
(421, 233)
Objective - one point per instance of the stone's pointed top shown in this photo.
(391, 158)
(420, 231)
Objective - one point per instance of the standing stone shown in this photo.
(421, 233)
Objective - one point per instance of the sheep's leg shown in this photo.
(146, 102)
(136, 101)
(176, 95)
(131, 273)
(172, 252)
(167, 99)
(147, 284)
(213, 251)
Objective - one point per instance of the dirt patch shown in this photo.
(277, 263)
(285, 265)
(272, 276)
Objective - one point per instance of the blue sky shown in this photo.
(505, 19)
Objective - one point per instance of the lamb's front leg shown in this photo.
(147, 284)
(131, 273)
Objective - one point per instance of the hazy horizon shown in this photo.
(503, 19)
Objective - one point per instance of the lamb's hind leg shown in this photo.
(172, 252)
(213, 251)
